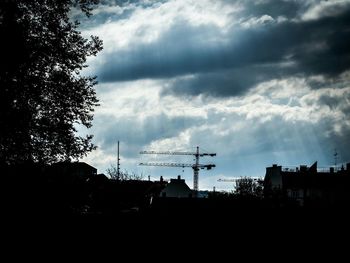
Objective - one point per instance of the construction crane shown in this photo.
(183, 165)
(236, 179)
(196, 166)
(227, 180)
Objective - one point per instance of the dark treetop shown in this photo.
(42, 94)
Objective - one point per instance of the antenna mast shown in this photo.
(118, 164)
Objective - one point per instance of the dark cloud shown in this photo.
(330, 101)
(244, 57)
(103, 14)
(288, 9)
(338, 102)
(111, 10)
(186, 49)
(220, 83)
(182, 50)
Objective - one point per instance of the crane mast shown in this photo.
(196, 166)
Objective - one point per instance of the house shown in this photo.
(176, 188)
(79, 169)
(308, 186)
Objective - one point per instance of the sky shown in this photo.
(256, 82)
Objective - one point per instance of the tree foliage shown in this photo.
(43, 96)
(249, 187)
(112, 172)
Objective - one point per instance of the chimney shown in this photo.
(179, 177)
(161, 179)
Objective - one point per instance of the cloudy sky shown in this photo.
(257, 82)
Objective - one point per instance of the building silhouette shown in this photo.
(177, 188)
(80, 169)
(308, 186)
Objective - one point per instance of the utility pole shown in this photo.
(118, 164)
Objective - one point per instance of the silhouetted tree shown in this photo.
(43, 96)
(123, 175)
(249, 187)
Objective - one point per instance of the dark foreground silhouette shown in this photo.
(41, 206)
(34, 190)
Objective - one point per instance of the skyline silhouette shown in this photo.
(260, 84)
